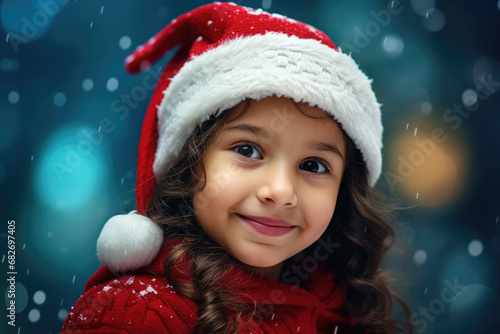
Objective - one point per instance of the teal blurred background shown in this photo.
(70, 121)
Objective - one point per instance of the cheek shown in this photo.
(320, 207)
(219, 193)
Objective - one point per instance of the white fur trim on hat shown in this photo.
(259, 66)
(129, 242)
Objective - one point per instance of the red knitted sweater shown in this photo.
(145, 302)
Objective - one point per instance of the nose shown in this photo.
(277, 186)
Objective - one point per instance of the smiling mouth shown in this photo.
(266, 226)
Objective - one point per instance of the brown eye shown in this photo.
(248, 151)
(313, 166)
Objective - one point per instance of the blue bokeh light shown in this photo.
(70, 169)
(473, 310)
(28, 20)
(21, 297)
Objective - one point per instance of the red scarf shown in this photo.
(318, 307)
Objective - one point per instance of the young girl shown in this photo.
(256, 161)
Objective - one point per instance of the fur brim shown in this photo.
(264, 65)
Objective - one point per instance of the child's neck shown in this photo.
(269, 272)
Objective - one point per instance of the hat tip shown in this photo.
(129, 242)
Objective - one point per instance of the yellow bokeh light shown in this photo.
(427, 164)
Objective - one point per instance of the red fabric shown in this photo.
(144, 302)
(218, 23)
(196, 32)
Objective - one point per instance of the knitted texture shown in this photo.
(145, 302)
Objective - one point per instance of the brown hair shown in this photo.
(356, 225)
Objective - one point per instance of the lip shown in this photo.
(268, 226)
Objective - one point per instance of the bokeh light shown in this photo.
(426, 108)
(34, 315)
(13, 97)
(486, 70)
(28, 20)
(469, 97)
(266, 4)
(125, 42)
(21, 297)
(428, 161)
(434, 20)
(59, 99)
(112, 84)
(420, 257)
(39, 297)
(423, 6)
(5, 64)
(70, 160)
(393, 45)
(9, 65)
(474, 310)
(62, 314)
(87, 84)
(475, 247)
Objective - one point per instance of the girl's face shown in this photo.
(272, 180)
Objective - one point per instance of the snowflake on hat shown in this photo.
(228, 53)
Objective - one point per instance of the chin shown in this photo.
(257, 255)
(262, 264)
(260, 261)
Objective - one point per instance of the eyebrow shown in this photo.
(328, 148)
(323, 147)
(252, 129)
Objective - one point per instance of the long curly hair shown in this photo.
(357, 225)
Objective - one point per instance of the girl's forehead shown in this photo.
(281, 108)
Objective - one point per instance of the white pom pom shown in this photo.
(129, 242)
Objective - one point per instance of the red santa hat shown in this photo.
(228, 53)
